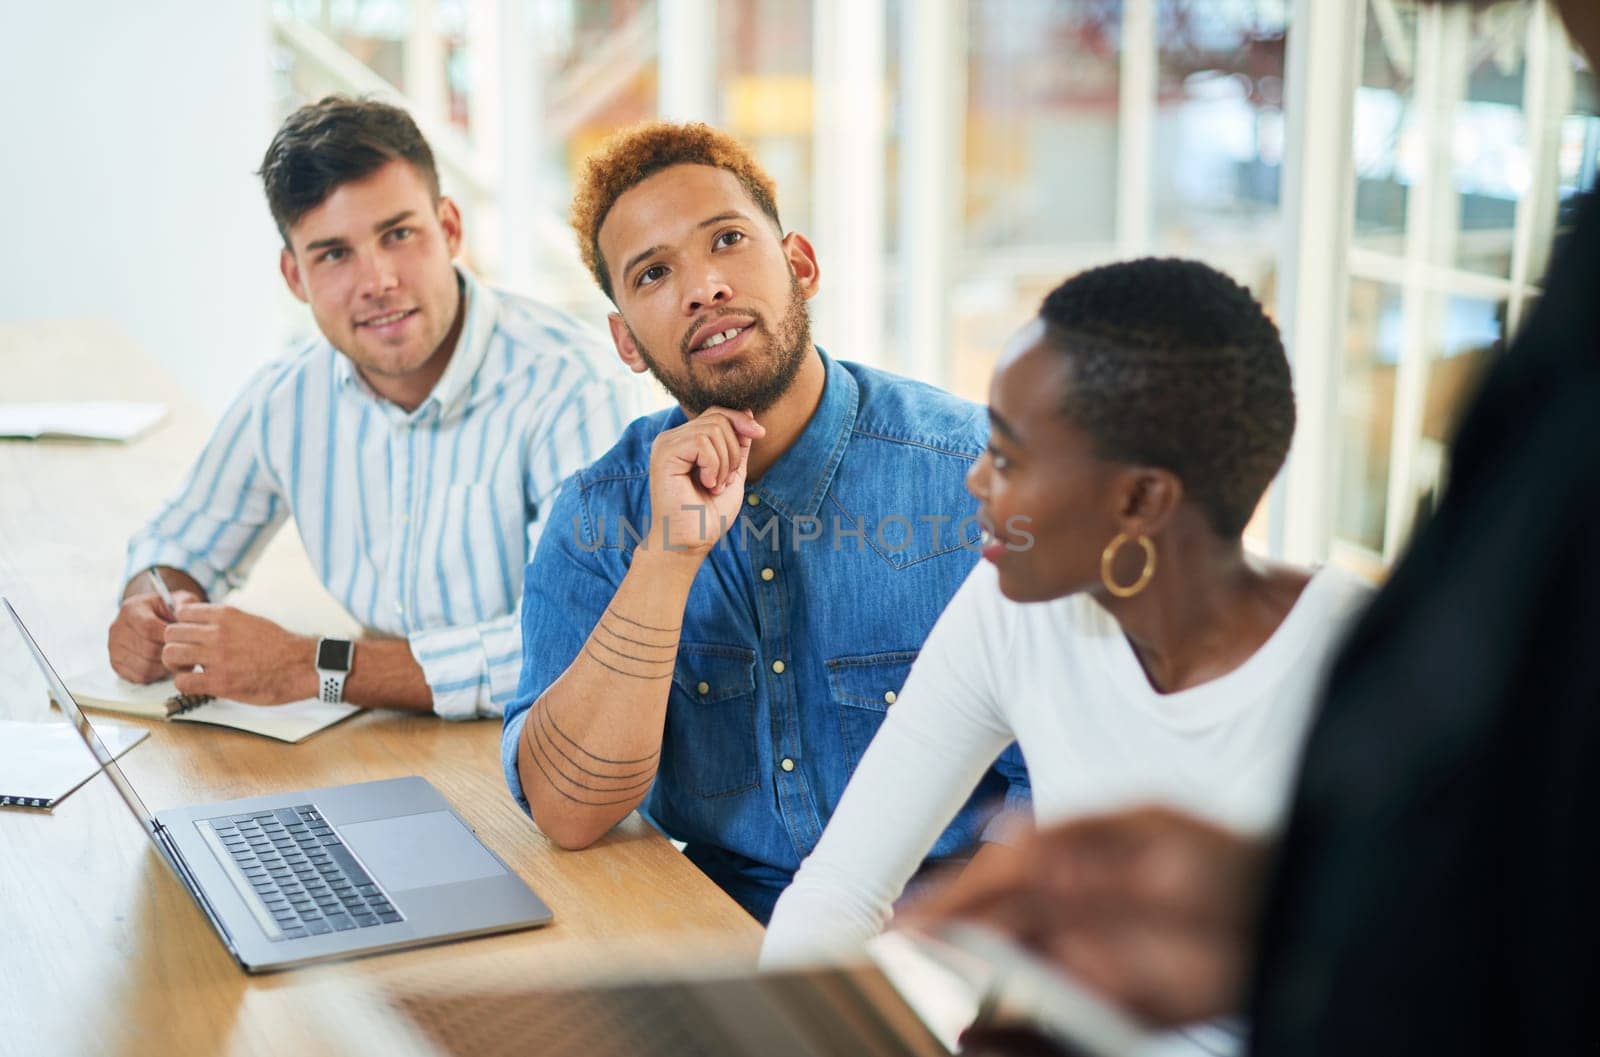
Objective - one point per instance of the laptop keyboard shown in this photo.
(302, 872)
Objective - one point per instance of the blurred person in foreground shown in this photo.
(1436, 888)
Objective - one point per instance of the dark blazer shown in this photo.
(1438, 887)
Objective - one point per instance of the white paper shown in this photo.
(90, 420)
(46, 761)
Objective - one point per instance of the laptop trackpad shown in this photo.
(419, 851)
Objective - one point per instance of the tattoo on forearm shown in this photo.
(602, 759)
(614, 633)
(656, 657)
(647, 627)
(547, 742)
(632, 675)
(576, 799)
(540, 747)
(629, 656)
(626, 647)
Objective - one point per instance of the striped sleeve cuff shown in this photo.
(472, 670)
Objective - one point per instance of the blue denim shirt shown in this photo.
(867, 530)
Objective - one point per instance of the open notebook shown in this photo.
(88, 420)
(102, 689)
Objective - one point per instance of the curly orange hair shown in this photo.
(634, 154)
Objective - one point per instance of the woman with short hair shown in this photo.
(1117, 630)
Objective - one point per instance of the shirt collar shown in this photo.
(472, 345)
(795, 485)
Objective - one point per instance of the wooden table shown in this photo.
(101, 950)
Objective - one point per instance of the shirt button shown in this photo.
(753, 499)
(767, 574)
(787, 764)
(888, 698)
(703, 689)
(777, 666)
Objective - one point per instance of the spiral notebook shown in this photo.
(103, 690)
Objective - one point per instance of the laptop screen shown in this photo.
(80, 722)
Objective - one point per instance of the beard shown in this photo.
(752, 384)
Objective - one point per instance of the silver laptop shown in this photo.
(295, 878)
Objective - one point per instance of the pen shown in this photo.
(161, 591)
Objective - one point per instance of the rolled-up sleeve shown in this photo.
(473, 669)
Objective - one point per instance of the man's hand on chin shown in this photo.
(226, 652)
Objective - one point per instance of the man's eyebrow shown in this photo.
(1003, 427)
(633, 261)
(626, 268)
(382, 225)
(732, 214)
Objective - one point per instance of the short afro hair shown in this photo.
(1173, 364)
(633, 155)
(332, 142)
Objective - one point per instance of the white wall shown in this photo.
(129, 133)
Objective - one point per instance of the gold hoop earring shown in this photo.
(1109, 556)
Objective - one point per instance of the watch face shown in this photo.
(334, 654)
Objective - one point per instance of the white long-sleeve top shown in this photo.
(1060, 678)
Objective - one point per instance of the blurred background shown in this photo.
(1387, 179)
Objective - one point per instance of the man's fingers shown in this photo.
(190, 631)
(200, 612)
(143, 616)
(708, 461)
(138, 646)
(192, 682)
(136, 669)
(741, 422)
(180, 655)
(742, 456)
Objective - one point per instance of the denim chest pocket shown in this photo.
(709, 746)
(864, 687)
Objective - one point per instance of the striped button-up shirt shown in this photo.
(420, 523)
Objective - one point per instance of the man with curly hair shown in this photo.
(736, 590)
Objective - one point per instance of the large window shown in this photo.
(954, 159)
(1471, 131)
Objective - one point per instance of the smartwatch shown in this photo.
(334, 658)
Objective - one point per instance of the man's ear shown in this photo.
(290, 269)
(1150, 499)
(803, 263)
(627, 348)
(450, 221)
